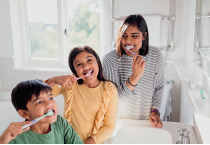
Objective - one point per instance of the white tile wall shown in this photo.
(24, 75)
(10, 77)
(7, 74)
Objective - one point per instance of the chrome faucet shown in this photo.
(186, 139)
(183, 136)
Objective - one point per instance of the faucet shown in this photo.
(183, 136)
(186, 139)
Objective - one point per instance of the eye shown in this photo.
(124, 35)
(89, 60)
(134, 36)
(79, 64)
(40, 102)
(51, 98)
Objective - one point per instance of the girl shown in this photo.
(140, 88)
(91, 103)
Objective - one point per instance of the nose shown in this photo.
(86, 66)
(128, 39)
(49, 104)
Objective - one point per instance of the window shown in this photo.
(43, 28)
(53, 27)
(84, 23)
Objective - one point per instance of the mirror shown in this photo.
(202, 35)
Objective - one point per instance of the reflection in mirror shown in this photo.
(202, 38)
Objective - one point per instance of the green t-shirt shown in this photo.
(61, 133)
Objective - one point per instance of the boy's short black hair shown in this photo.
(24, 91)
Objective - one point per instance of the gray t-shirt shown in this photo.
(149, 90)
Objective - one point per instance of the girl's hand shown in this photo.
(64, 80)
(138, 66)
(155, 120)
(90, 141)
(13, 131)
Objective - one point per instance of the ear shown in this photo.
(23, 113)
(145, 35)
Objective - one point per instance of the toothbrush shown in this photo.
(202, 94)
(128, 48)
(49, 113)
(88, 74)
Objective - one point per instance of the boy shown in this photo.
(32, 99)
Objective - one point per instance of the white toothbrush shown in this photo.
(49, 113)
(128, 48)
(88, 74)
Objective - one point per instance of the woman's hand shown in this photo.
(138, 66)
(155, 120)
(90, 141)
(63, 80)
(13, 131)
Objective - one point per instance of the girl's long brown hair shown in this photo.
(77, 50)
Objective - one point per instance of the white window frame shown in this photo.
(63, 40)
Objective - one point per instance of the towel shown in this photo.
(166, 108)
(153, 24)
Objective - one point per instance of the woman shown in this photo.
(138, 72)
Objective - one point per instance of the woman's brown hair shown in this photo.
(135, 20)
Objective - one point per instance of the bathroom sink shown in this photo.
(142, 135)
(130, 131)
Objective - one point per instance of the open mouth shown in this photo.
(88, 72)
(50, 110)
(129, 47)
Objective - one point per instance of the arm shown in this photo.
(109, 121)
(64, 80)
(110, 71)
(13, 131)
(124, 88)
(159, 85)
(157, 96)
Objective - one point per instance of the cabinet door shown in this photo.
(185, 112)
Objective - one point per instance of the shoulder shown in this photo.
(155, 51)
(110, 89)
(111, 55)
(60, 121)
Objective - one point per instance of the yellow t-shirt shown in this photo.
(92, 112)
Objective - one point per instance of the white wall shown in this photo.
(6, 40)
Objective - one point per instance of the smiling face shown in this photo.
(39, 106)
(85, 63)
(132, 39)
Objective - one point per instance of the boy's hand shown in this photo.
(13, 131)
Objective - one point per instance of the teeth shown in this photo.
(89, 72)
(129, 47)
